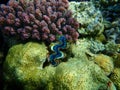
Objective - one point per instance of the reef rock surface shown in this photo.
(88, 16)
(24, 69)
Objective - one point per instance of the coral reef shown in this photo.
(111, 13)
(84, 46)
(96, 46)
(91, 62)
(112, 16)
(115, 77)
(113, 32)
(89, 17)
(105, 62)
(112, 48)
(29, 58)
(102, 34)
(26, 68)
(80, 47)
(38, 20)
(56, 48)
(117, 60)
(109, 48)
(84, 75)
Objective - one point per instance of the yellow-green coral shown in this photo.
(105, 62)
(24, 67)
(115, 77)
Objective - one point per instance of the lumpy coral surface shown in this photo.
(42, 20)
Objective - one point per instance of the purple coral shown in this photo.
(42, 20)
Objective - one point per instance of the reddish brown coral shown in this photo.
(42, 20)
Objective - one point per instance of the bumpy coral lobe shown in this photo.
(42, 20)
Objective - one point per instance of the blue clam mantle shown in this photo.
(56, 48)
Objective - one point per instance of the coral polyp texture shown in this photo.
(42, 20)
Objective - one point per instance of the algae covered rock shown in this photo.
(23, 67)
(115, 77)
(84, 47)
(79, 74)
(110, 10)
(80, 48)
(117, 60)
(96, 46)
(112, 48)
(88, 16)
(105, 62)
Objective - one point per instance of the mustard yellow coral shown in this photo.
(105, 62)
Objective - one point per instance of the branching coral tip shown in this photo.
(56, 48)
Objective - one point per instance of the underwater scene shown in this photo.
(60, 45)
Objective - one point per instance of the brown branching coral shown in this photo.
(42, 20)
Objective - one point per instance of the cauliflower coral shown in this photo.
(42, 20)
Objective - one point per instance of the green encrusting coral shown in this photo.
(24, 65)
(115, 77)
(89, 17)
(23, 69)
